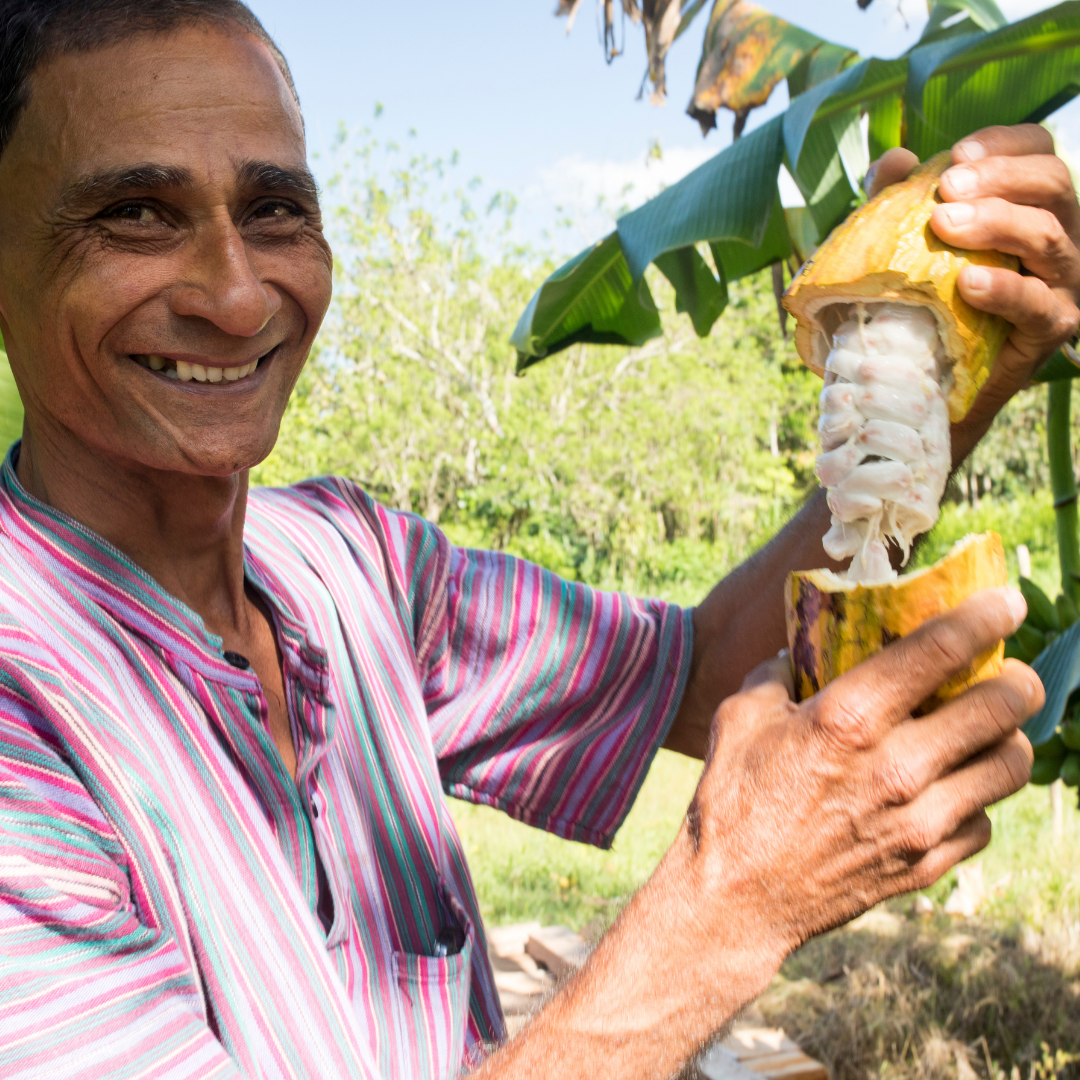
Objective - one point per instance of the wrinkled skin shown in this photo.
(214, 255)
(805, 814)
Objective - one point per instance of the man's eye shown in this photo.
(144, 215)
(275, 211)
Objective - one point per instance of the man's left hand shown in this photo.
(1006, 190)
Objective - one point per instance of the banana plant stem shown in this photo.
(1063, 484)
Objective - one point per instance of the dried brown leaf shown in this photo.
(746, 52)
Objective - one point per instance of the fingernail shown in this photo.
(971, 149)
(868, 179)
(959, 213)
(962, 181)
(1017, 605)
(978, 279)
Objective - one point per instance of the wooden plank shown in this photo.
(509, 940)
(751, 1051)
(756, 1041)
(787, 1066)
(560, 950)
(719, 1063)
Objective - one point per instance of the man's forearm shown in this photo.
(644, 1004)
(741, 623)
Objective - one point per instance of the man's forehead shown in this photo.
(193, 100)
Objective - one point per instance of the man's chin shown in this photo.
(223, 454)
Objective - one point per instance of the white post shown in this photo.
(1057, 810)
(1023, 558)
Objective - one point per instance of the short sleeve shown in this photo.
(547, 699)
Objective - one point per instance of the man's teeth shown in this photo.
(184, 372)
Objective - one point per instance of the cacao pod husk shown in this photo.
(834, 624)
(886, 250)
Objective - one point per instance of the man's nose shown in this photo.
(221, 286)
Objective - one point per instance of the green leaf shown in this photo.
(860, 85)
(1021, 72)
(697, 292)
(821, 64)
(885, 125)
(730, 197)
(1031, 640)
(591, 298)
(745, 53)
(1058, 666)
(1067, 610)
(803, 232)
(1055, 369)
(738, 259)
(985, 13)
(1054, 749)
(1041, 611)
(821, 174)
(980, 15)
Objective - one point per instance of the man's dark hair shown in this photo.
(35, 31)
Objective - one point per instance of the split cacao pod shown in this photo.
(834, 624)
(886, 250)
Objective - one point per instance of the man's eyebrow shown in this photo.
(268, 177)
(128, 180)
(103, 187)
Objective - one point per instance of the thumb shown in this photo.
(773, 679)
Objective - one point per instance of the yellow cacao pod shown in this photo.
(886, 250)
(834, 624)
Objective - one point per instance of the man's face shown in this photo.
(162, 267)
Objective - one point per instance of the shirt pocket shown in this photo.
(435, 992)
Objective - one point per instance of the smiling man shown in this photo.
(228, 720)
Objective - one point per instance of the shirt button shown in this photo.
(237, 660)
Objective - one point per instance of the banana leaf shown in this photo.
(746, 52)
(590, 298)
(1058, 666)
(823, 63)
(1056, 368)
(730, 197)
(979, 15)
(934, 96)
(1021, 72)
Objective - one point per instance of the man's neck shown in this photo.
(185, 531)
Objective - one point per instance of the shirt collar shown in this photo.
(91, 565)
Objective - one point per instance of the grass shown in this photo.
(892, 995)
(522, 874)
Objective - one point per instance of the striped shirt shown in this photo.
(159, 869)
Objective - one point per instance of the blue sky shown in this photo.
(530, 109)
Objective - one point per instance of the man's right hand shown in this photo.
(806, 815)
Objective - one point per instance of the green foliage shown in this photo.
(651, 468)
(951, 84)
(11, 410)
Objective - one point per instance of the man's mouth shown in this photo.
(182, 371)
